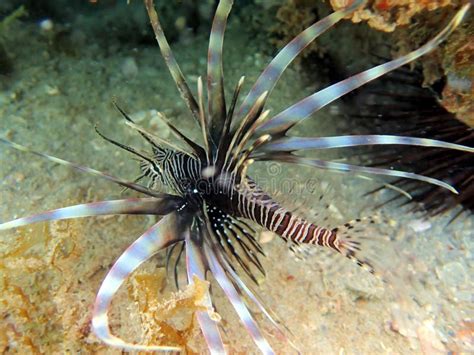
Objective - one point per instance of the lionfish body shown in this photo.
(228, 194)
(213, 202)
(227, 197)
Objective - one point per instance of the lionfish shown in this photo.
(213, 200)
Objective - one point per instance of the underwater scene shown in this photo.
(240, 177)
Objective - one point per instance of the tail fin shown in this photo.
(365, 241)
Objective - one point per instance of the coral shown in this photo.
(168, 322)
(458, 63)
(454, 60)
(36, 268)
(50, 273)
(386, 15)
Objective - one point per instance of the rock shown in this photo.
(129, 68)
(46, 25)
(266, 237)
(158, 126)
(419, 225)
(429, 340)
(402, 323)
(453, 274)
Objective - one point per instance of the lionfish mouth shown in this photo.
(257, 136)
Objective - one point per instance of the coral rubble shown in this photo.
(386, 15)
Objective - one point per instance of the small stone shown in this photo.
(419, 225)
(465, 296)
(140, 116)
(129, 68)
(46, 25)
(156, 123)
(180, 23)
(266, 237)
(19, 177)
(159, 127)
(52, 90)
(401, 322)
(452, 274)
(336, 213)
(429, 340)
